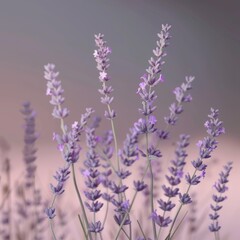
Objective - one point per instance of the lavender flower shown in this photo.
(92, 176)
(30, 137)
(30, 204)
(176, 173)
(159, 220)
(50, 212)
(153, 76)
(61, 176)
(102, 60)
(54, 89)
(221, 188)
(192, 221)
(129, 152)
(206, 146)
(214, 128)
(95, 227)
(176, 108)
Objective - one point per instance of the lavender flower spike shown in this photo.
(181, 96)
(214, 129)
(153, 76)
(54, 89)
(221, 188)
(30, 138)
(102, 60)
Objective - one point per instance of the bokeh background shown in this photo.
(205, 43)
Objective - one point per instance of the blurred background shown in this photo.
(205, 43)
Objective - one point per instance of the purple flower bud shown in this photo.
(160, 221)
(185, 198)
(139, 185)
(166, 206)
(50, 212)
(95, 227)
(94, 207)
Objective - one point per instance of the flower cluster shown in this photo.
(30, 204)
(214, 128)
(55, 90)
(181, 96)
(30, 137)
(221, 188)
(93, 178)
(99, 168)
(176, 174)
(102, 60)
(153, 76)
(107, 153)
(68, 145)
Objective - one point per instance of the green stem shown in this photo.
(179, 224)
(94, 220)
(106, 212)
(83, 228)
(151, 188)
(75, 181)
(52, 230)
(179, 209)
(125, 233)
(141, 230)
(131, 205)
(80, 199)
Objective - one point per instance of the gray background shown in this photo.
(205, 44)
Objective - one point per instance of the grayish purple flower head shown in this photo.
(181, 96)
(102, 60)
(214, 129)
(55, 90)
(221, 188)
(30, 137)
(174, 179)
(153, 75)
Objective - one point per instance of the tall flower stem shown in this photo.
(115, 139)
(80, 199)
(179, 209)
(52, 230)
(151, 187)
(75, 183)
(131, 205)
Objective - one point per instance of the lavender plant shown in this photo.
(221, 188)
(105, 173)
(30, 204)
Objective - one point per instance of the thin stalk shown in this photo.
(9, 197)
(110, 163)
(106, 212)
(75, 181)
(52, 230)
(179, 224)
(84, 231)
(94, 220)
(141, 230)
(115, 139)
(160, 229)
(80, 199)
(125, 234)
(123, 195)
(151, 188)
(179, 209)
(131, 205)
(130, 230)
